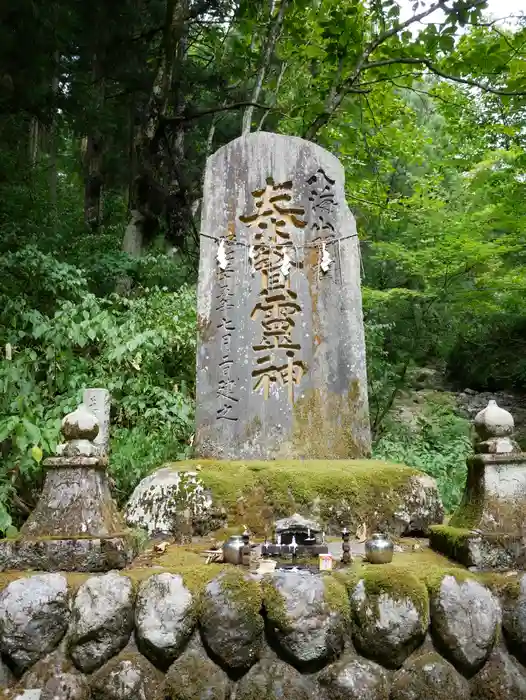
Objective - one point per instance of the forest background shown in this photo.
(107, 114)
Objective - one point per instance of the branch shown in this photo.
(189, 116)
(447, 76)
(338, 93)
(268, 50)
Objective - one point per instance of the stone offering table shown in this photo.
(488, 531)
(76, 525)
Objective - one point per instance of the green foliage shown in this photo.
(434, 174)
(438, 445)
(142, 349)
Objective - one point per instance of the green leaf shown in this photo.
(36, 453)
(32, 430)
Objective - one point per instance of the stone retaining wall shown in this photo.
(292, 636)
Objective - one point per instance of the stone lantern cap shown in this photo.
(81, 424)
(493, 421)
(494, 427)
(79, 429)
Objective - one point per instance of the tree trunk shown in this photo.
(149, 198)
(53, 145)
(33, 141)
(93, 179)
(266, 55)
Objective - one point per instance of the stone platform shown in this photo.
(83, 554)
(138, 633)
(484, 551)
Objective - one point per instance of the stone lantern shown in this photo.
(76, 525)
(488, 530)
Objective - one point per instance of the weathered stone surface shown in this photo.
(164, 618)
(431, 677)
(6, 677)
(308, 627)
(230, 620)
(493, 421)
(301, 391)
(389, 624)
(102, 620)
(275, 680)
(128, 676)
(84, 554)
(353, 678)
(34, 615)
(514, 620)
(194, 677)
(407, 501)
(159, 498)
(464, 621)
(502, 678)
(56, 678)
(420, 508)
(75, 501)
(480, 551)
(297, 522)
(98, 401)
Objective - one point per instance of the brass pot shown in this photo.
(379, 549)
(232, 549)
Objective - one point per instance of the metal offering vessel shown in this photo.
(379, 549)
(233, 549)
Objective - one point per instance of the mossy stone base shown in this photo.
(84, 554)
(494, 498)
(483, 551)
(384, 496)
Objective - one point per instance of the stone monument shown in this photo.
(488, 530)
(281, 354)
(76, 525)
(98, 401)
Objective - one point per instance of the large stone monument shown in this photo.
(488, 530)
(281, 357)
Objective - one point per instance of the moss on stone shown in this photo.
(245, 595)
(194, 677)
(451, 541)
(152, 677)
(395, 581)
(336, 597)
(275, 606)
(254, 493)
(467, 515)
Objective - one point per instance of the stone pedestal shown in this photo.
(488, 530)
(76, 525)
(281, 357)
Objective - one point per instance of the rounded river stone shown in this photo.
(128, 676)
(354, 678)
(195, 677)
(465, 617)
(57, 678)
(303, 623)
(101, 621)
(164, 618)
(388, 625)
(34, 615)
(429, 677)
(275, 680)
(231, 621)
(6, 677)
(514, 620)
(502, 678)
